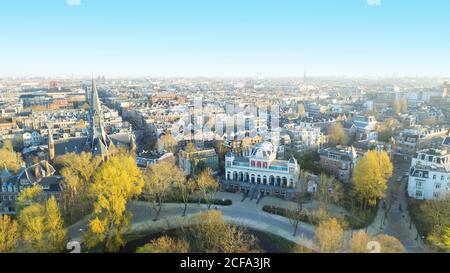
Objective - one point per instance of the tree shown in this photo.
(329, 236)
(388, 129)
(295, 215)
(30, 195)
(9, 234)
(385, 164)
(389, 244)
(238, 240)
(78, 172)
(198, 165)
(32, 224)
(165, 244)
(404, 105)
(396, 106)
(116, 182)
(370, 177)
(158, 180)
(359, 242)
(221, 150)
(431, 121)
(184, 189)
(168, 143)
(10, 159)
(246, 144)
(301, 194)
(434, 217)
(441, 239)
(56, 235)
(337, 134)
(190, 148)
(207, 186)
(301, 109)
(210, 234)
(328, 190)
(42, 227)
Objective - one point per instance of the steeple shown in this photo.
(95, 101)
(98, 141)
(51, 145)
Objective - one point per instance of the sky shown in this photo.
(224, 38)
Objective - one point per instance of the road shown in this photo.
(398, 222)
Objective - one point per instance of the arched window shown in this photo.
(284, 185)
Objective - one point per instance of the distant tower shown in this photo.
(304, 77)
(445, 91)
(51, 145)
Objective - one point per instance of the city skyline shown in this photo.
(64, 38)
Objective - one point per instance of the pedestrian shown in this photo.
(400, 207)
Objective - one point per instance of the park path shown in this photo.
(249, 214)
(396, 221)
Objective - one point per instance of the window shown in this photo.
(418, 193)
(438, 186)
(436, 195)
(434, 177)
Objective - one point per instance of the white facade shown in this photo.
(429, 176)
(260, 171)
(31, 139)
(307, 138)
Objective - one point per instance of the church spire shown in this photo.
(95, 101)
(51, 145)
(98, 140)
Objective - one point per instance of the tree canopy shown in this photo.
(370, 177)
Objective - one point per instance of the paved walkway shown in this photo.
(398, 222)
(237, 214)
(249, 214)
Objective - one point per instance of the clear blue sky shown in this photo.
(224, 37)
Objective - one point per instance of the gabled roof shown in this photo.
(446, 141)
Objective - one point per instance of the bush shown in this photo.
(310, 219)
(348, 222)
(232, 190)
